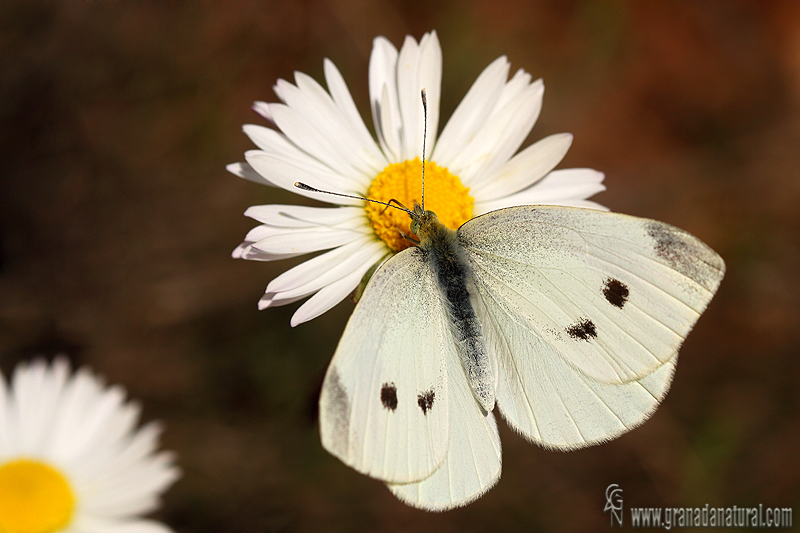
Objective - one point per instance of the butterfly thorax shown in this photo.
(452, 272)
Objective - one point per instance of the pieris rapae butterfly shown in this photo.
(569, 320)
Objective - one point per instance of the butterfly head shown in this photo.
(423, 223)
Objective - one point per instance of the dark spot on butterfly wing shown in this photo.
(616, 292)
(686, 254)
(425, 401)
(389, 396)
(669, 245)
(583, 330)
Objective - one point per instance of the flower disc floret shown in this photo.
(402, 182)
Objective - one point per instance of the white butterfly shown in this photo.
(569, 320)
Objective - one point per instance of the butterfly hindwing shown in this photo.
(473, 461)
(384, 403)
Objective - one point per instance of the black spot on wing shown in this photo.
(616, 292)
(425, 400)
(583, 330)
(337, 410)
(389, 396)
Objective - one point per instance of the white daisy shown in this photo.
(71, 458)
(320, 139)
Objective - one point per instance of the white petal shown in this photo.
(98, 455)
(346, 118)
(570, 187)
(83, 397)
(259, 233)
(515, 86)
(245, 171)
(285, 174)
(36, 397)
(132, 491)
(568, 183)
(246, 251)
(239, 251)
(359, 256)
(276, 144)
(344, 101)
(587, 204)
(262, 108)
(6, 428)
(306, 241)
(418, 67)
(409, 100)
(306, 134)
(300, 216)
(328, 297)
(91, 424)
(383, 96)
(390, 125)
(317, 107)
(260, 236)
(134, 449)
(501, 136)
(273, 300)
(524, 169)
(352, 255)
(471, 113)
(430, 76)
(572, 182)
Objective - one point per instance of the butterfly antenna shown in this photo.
(424, 138)
(401, 207)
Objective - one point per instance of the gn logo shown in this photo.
(614, 503)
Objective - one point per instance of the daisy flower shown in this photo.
(71, 458)
(320, 139)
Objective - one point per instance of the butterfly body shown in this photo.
(448, 262)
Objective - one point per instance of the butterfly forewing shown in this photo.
(614, 295)
(384, 402)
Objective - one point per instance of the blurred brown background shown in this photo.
(117, 219)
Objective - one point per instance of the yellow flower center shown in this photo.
(444, 195)
(34, 498)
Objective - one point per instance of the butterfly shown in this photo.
(567, 320)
